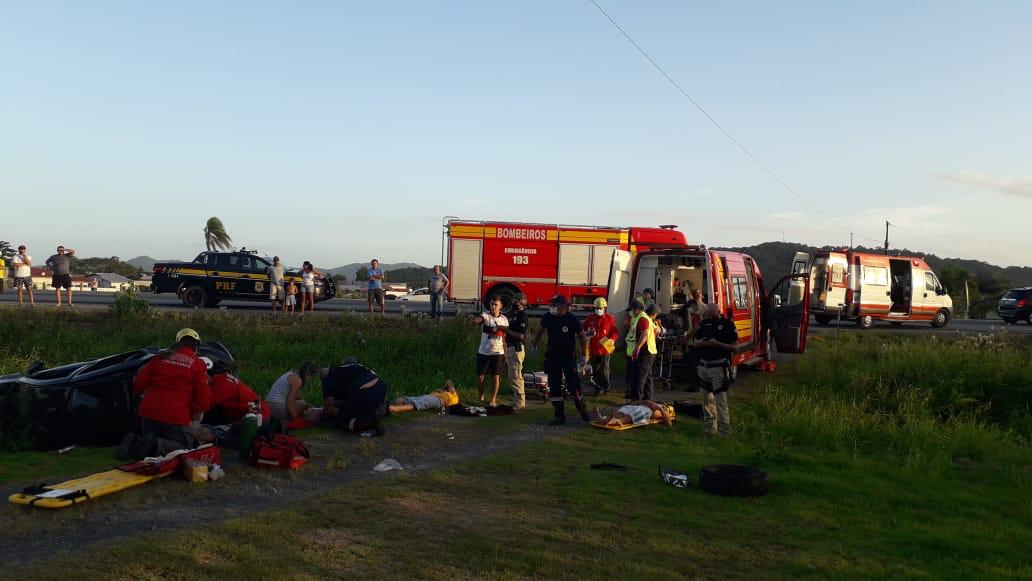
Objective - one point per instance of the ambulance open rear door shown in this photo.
(619, 283)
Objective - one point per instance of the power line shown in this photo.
(726, 133)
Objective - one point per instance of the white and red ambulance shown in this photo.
(491, 258)
(869, 287)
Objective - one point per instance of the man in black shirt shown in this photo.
(564, 331)
(354, 397)
(514, 351)
(716, 341)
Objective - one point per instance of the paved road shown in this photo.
(94, 300)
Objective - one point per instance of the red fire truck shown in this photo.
(486, 258)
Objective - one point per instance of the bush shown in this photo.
(129, 304)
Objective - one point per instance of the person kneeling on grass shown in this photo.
(442, 398)
(285, 401)
(354, 398)
(173, 387)
(231, 398)
(635, 413)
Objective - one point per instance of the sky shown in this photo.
(341, 131)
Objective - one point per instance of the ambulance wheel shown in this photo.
(865, 322)
(941, 318)
(506, 293)
(823, 319)
(195, 296)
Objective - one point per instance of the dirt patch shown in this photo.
(338, 459)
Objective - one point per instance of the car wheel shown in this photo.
(733, 480)
(195, 296)
(506, 294)
(823, 319)
(865, 322)
(941, 318)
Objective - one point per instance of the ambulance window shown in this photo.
(740, 288)
(876, 275)
(837, 274)
(931, 284)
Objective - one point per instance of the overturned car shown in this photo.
(90, 403)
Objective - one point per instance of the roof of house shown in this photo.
(111, 277)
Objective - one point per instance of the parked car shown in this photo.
(394, 291)
(1016, 306)
(420, 295)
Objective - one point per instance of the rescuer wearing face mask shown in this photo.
(600, 328)
(564, 334)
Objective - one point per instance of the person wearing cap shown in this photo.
(174, 393)
(716, 341)
(561, 359)
(515, 336)
(600, 327)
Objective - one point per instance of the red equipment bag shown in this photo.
(278, 452)
(161, 465)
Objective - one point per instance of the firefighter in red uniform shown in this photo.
(600, 328)
(231, 398)
(174, 395)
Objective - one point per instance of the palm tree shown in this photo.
(215, 236)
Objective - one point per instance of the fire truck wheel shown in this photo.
(505, 293)
(865, 322)
(823, 319)
(194, 296)
(941, 318)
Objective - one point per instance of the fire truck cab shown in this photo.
(487, 259)
(868, 287)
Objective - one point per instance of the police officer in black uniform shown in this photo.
(716, 340)
(355, 397)
(561, 359)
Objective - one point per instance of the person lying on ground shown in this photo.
(174, 392)
(231, 398)
(634, 413)
(285, 399)
(438, 399)
(354, 397)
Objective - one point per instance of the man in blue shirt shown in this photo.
(376, 291)
(567, 347)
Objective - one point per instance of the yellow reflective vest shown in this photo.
(632, 335)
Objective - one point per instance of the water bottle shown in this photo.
(248, 430)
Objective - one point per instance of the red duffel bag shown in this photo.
(278, 452)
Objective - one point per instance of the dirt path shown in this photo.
(419, 444)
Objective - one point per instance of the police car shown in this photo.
(216, 276)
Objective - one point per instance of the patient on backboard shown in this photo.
(635, 413)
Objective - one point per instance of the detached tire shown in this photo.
(733, 480)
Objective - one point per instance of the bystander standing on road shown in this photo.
(600, 327)
(22, 264)
(376, 291)
(561, 359)
(61, 264)
(438, 287)
(308, 274)
(717, 340)
(515, 351)
(291, 301)
(277, 292)
(491, 352)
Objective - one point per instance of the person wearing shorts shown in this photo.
(291, 301)
(276, 291)
(491, 353)
(376, 293)
(308, 274)
(22, 263)
(61, 264)
(442, 398)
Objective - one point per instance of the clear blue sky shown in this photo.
(338, 131)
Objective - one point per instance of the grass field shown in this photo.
(877, 470)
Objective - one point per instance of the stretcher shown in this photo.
(79, 490)
(603, 426)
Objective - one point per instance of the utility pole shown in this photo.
(850, 240)
(887, 237)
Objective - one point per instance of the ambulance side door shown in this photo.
(788, 314)
(620, 285)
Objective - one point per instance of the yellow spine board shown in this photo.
(95, 486)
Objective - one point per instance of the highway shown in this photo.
(167, 302)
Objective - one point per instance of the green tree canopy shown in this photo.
(215, 236)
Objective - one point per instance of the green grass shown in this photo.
(859, 437)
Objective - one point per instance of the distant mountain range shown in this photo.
(775, 261)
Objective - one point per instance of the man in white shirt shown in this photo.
(491, 354)
(22, 263)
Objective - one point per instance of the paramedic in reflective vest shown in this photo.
(354, 397)
(716, 340)
(641, 350)
(174, 392)
(634, 309)
(561, 359)
(600, 327)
